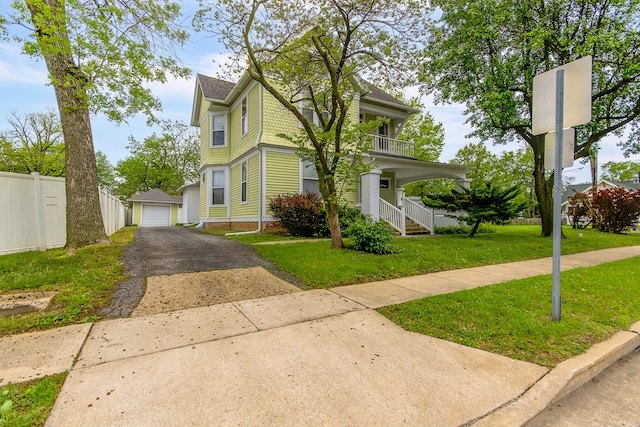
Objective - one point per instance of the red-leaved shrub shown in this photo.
(616, 209)
(299, 214)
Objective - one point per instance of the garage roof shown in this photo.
(155, 195)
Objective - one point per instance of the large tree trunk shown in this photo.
(84, 217)
(543, 186)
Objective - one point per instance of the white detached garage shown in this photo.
(154, 208)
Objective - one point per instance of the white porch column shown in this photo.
(399, 196)
(371, 193)
(463, 183)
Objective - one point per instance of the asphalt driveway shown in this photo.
(157, 251)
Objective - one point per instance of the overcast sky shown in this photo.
(23, 89)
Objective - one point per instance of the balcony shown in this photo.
(394, 147)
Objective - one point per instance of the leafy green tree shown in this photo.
(426, 134)
(428, 138)
(166, 161)
(487, 203)
(33, 143)
(486, 53)
(100, 55)
(314, 52)
(106, 172)
(620, 171)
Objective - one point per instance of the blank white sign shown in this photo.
(568, 146)
(577, 96)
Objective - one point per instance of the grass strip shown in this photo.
(29, 404)
(319, 266)
(83, 283)
(514, 318)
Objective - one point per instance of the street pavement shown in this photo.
(610, 399)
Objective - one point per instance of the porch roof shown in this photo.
(409, 170)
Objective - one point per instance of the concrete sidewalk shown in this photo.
(319, 357)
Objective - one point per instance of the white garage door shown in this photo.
(156, 215)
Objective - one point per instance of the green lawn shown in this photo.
(29, 404)
(514, 318)
(317, 265)
(83, 282)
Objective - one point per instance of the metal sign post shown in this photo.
(552, 111)
(556, 308)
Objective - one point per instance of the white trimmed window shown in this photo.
(310, 178)
(218, 185)
(243, 182)
(309, 113)
(218, 130)
(245, 116)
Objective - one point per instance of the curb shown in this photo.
(564, 379)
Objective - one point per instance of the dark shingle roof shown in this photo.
(213, 88)
(379, 94)
(155, 195)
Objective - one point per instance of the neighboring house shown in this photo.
(154, 208)
(244, 163)
(572, 190)
(190, 203)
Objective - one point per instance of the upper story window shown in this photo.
(309, 113)
(218, 130)
(310, 178)
(243, 182)
(245, 116)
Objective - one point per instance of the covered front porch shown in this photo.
(382, 189)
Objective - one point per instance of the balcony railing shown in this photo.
(396, 147)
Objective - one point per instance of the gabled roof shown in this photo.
(155, 195)
(213, 88)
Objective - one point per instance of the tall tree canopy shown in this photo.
(621, 171)
(165, 161)
(100, 56)
(33, 142)
(314, 52)
(486, 53)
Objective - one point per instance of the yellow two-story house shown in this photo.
(244, 163)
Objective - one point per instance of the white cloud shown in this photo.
(16, 67)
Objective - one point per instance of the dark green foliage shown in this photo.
(371, 236)
(462, 229)
(299, 214)
(346, 215)
(487, 203)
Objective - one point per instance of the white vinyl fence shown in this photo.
(33, 212)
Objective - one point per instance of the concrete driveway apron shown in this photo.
(157, 251)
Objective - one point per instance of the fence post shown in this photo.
(39, 209)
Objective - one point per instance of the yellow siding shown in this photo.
(251, 207)
(217, 212)
(203, 197)
(208, 155)
(350, 195)
(137, 209)
(204, 107)
(242, 144)
(389, 194)
(283, 174)
(277, 120)
(174, 214)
